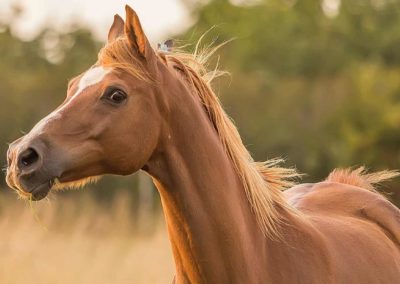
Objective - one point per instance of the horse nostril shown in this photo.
(28, 157)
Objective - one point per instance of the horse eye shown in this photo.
(115, 96)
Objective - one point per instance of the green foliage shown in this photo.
(31, 86)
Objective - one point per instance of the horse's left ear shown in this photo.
(117, 29)
(135, 34)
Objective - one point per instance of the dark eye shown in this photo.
(115, 96)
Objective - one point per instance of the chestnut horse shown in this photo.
(228, 219)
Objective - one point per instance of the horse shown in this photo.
(228, 218)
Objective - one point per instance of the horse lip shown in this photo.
(42, 190)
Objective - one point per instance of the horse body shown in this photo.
(227, 218)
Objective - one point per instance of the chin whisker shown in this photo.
(74, 184)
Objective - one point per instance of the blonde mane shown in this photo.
(263, 182)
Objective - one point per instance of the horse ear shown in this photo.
(135, 34)
(117, 29)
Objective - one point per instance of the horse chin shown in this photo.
(59, 184)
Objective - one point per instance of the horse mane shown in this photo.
(263, 182)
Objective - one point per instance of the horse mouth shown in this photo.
(39, 190)
(30, 192)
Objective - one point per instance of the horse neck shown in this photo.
(213, 232)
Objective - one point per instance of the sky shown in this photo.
(159, 18)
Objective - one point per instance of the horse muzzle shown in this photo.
(26, 172)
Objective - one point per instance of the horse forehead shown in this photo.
(91, 77)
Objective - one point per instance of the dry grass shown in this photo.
(79, 241)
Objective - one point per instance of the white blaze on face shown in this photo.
(90, 78)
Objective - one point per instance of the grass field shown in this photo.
(73, 239)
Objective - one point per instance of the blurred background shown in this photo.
(315, 82)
